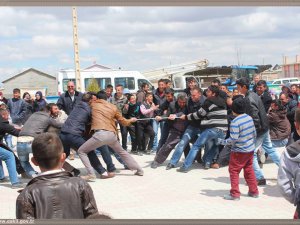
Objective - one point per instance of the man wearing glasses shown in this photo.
(69, 99)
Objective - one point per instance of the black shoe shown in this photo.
(261, 182)
(76, 172)
(134, 152)
(182, 170)
(206, 166)
(170, 166)
(154, 165)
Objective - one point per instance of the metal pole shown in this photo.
(76, 50)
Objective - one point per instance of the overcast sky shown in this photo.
(145, 38)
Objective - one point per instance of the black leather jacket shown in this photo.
(56, 196)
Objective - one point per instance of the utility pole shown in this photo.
(76, 50)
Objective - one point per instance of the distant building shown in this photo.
(291, 68)
(31, 80)
(272, 73)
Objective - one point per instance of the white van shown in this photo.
(129, 79)
(283, 81)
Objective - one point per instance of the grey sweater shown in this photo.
(38, 123)
(289, 172)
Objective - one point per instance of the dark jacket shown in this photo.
(38, 123)
(56, 196)
(291, 107)
(157, 98)
(132, 111)
(255, 108)
(6, 128)
(177, 124)
(17, 109)
(266, 100)
(140, 96)
(29, 110)
(78, 119)
(280, 127)
(40, 104)
(65, 102)
(164, 107)
(194, 107)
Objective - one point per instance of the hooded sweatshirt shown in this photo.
(289, 172)
(39, 104)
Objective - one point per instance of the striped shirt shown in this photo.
(242, 134)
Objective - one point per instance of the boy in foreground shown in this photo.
(54, 194)
(242, 138)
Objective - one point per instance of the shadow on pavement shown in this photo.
(272, 190)
(214, 193)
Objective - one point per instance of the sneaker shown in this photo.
(154, 165)
(253, 195)
(139, 173)
(4, 179)
(18, 185)
(215, 166)
(89, 177)
(107, 175)
(206, 166)
(230, 197)
(261, 182)
(170, 166)
(134, 152)
(76, 172)
(182, 170)
(25, 176)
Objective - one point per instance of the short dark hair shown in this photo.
(239, 105)
(147, 94)
(182, 96)
(278, 103)
(109, 86)
(102, 95)
(119, 85)
(169, 91)
(261, 83)
(197, 89)
(161, 80)
(86, 97)
(167, 81)
(216, 81)
(190, 79)
(243, 82)
(47, 149)
(144, 84)
(292, 85)
(129, 96)
(214, 89)
(16, 90)
(50, 105)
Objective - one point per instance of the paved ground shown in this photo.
(167, 194)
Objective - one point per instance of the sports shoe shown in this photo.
(169, 166)
(139, 173)
(18, 185)
(261, 182)
(206, 166)
(230, 197)
(107, 175)
(253, 195)
(89, 177)
(154, 165)
(4, 179)
(182, 170)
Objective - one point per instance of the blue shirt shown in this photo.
(242, 134)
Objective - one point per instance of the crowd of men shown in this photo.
(190, 122)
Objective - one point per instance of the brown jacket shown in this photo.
(56, 196)
(280, 127)
(104, 116)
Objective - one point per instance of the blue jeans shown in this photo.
(280, 143)
(23, 150)
(8, 140)
(9, 159)
(188, 135)
(264, 141)
(205, 136)
(155, 126)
